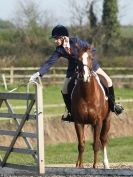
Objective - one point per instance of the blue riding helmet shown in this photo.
(58, 31)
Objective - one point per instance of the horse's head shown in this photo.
(85, 63)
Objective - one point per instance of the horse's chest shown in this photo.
(87, 110)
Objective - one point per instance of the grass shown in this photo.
(119, 150)
(52, 95)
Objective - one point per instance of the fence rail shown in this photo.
(57, 74)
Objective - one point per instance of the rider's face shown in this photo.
(58, 41)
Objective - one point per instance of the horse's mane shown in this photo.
(84, 49)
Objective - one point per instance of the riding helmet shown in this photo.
(59, 30)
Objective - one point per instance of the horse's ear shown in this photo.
(90, 51)
(78, 47)
(90, 48)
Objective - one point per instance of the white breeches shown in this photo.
(65, 85)
(99, 71)
(102, 73)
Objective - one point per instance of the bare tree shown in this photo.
(31, 21)
(29, 14)
(78, 11)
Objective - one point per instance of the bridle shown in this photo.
(80, 71)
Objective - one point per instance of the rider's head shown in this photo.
(58, 33)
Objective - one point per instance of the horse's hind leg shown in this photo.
(103, 138)
(81, 143)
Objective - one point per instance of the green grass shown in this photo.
(119, 150)
(52, 95)
(124, 93)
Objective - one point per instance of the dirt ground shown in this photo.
(57, 131)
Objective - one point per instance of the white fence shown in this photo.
(56, 74)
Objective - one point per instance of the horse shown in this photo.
(90, 106)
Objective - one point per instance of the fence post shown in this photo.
(4, 81)
(11, 75)
(40, 128)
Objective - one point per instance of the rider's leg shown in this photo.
(67, 100)
(117, 108)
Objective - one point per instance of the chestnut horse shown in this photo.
(90, 106)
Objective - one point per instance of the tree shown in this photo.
(111, 26)
(4, 24)
(32, 23)
(92, 20)
(77, 10)
(92, 16)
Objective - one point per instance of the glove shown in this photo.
(34, 76)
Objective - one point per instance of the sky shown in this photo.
(60, 10)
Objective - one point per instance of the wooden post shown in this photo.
(54, 73)
(11, 75)
(40, 128)
(4, 81)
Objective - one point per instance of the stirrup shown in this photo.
(67, 117)
(118, 109)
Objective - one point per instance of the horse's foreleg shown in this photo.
(103, 138)
(97, 130)
(81, 143)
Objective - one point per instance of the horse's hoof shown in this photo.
(106, 167)
(79, 166)
(95, 166)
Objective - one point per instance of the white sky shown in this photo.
(60, 10)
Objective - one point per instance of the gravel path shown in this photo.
(69, 170)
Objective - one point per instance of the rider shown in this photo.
(67, 47)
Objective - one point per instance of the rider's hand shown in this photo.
(34, 76)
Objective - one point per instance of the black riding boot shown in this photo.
(67, 101)
(117, 108)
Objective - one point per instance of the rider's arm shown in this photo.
(46, 66)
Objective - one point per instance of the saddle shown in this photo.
(102, 81)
